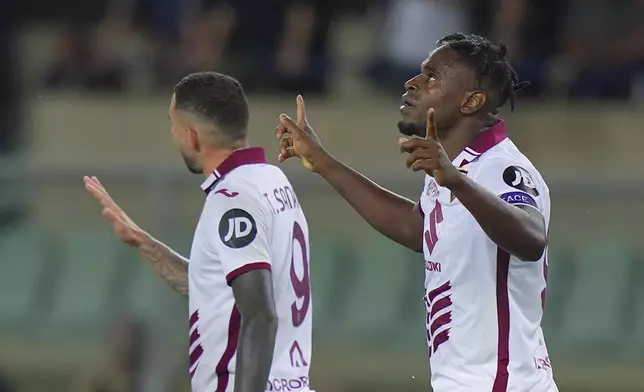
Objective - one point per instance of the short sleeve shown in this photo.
(512, 182)
(239, 233)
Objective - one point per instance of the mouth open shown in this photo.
(408, 103)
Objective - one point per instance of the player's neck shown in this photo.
(457, 139)
(455, 143)
(213, 158)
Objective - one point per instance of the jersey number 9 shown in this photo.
(302, 287)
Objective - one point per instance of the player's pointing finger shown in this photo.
(301, 111)
(431, 133)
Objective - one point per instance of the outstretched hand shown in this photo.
(429, 155)
(124, 228)
(299, 139)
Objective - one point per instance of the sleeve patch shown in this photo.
(237, 228)
(520, 179)
(519, 198)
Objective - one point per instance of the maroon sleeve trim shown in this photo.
(246, 268)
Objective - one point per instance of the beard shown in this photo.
(192, 166)
(411, 129)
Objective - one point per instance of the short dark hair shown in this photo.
(217, 98)
(493, 72)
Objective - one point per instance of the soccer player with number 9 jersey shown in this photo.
(247, 278)
(481, 221)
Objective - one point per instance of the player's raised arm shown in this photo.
(171, 266)
(394, 216)
(240, 238)
(509, 216)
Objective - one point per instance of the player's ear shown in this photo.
(192, 138)
(473, 102)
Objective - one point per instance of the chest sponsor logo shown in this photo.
(432, 266)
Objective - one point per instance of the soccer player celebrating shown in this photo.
(247, 278)
(481, 221)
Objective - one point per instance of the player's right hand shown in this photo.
(299, 139)
(124, 228)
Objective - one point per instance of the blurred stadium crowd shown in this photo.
(573, 48)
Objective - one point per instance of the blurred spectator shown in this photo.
(205, 35)
(121, 50)
(530, 28)
(271, 45)
(603, 48)
(122, 369)
(411, 29)
(77, 65)
(10, 100)
(277, 44)
(12, 204)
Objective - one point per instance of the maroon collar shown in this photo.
(245, 156)
(482, 143)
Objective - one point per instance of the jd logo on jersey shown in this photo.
(520, 179)
(237, 228)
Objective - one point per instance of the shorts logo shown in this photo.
(237, 228)
(520, 179)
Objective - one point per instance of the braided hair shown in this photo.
(493, 72)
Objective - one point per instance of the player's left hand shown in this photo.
(429, 156)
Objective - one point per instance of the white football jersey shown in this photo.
(484, 306)
(251, 220)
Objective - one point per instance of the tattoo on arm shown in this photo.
(168, 264)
